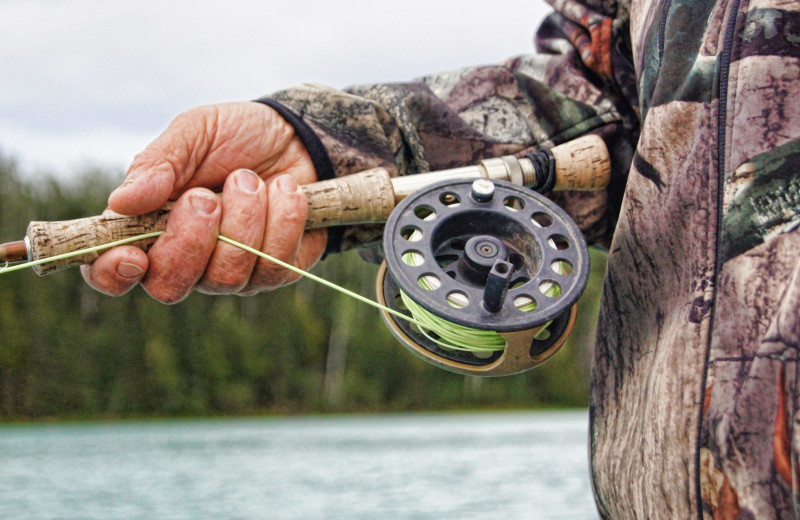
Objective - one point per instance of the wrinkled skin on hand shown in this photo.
(234, 170)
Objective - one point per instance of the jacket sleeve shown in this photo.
(567, 89)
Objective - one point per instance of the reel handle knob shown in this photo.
(494, 294)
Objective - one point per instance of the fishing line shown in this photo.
(448, 335)
(458, 337)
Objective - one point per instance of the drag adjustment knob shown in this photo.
(480, 255)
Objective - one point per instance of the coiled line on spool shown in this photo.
(458, 337)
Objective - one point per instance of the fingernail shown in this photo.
(128, 270)
(123, 186)
(203, 203)
(286, 184)
(247, 181)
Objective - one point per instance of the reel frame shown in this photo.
(494, 246)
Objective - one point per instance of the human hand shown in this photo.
(254, 156)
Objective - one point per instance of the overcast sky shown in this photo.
(92, 82)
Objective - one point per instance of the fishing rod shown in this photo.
(484, 270)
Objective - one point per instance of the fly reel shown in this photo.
(483, 259)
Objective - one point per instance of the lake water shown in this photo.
(526, 465)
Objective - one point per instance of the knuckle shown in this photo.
(269, 276)
(221, 281)
(218, 286)
(298, 209)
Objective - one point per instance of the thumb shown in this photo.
(162, 168)
(147, 187)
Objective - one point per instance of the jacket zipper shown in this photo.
(722, 113)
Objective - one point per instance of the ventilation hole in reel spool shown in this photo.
(429, 282)
(525, 303)
(518, 282)
(562, 267)
(558, 242)
(458, 299)
(514, 203)
(542, 220)
(411, 233)
(425, 212)
(550, 289)
(412, 258)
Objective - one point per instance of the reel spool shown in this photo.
(487, 255)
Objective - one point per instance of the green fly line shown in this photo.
(452, 336)
(438, 330)
(154, 234)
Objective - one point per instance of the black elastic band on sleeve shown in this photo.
(312, 142)
(319, 157)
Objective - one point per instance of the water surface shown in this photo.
(522, 465)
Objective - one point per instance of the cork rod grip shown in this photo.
(582, 164)
(360, 198)
(354, 199)
(46, 239)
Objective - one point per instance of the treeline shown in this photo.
(67, 351)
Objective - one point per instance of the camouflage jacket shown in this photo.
(695, 376)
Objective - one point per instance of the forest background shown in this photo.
(67, 351)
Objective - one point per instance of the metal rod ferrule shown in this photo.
(506, 168)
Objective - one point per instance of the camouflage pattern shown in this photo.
(695, 382)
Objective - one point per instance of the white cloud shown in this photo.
(87, 80)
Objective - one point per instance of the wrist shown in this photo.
(311, 141)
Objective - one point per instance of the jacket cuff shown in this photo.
(319, 157)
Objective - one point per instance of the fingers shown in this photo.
(144, 190)
(285, 224)
(244, 210)
(116, 271)
(312, 246)
(270, 218)
(179, 257)
(188, 256)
